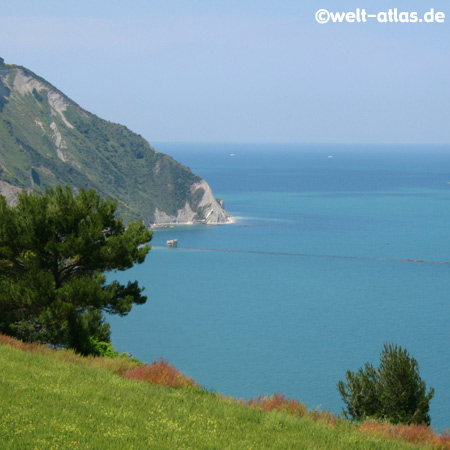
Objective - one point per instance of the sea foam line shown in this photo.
(311, 255)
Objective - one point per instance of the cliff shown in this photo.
(47, 139)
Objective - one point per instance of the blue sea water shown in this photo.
(259, 321)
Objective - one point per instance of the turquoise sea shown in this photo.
(321, 279)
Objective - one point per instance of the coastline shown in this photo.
(156, 226)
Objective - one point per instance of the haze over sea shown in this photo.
(250, 323)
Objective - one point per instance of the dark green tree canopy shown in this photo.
(54, 251)
(393, 392)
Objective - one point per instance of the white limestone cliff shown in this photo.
(24, 84)
(210, 211)
(9, 192)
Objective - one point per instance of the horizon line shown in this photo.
(402, 144)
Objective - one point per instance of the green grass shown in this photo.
(53, 400)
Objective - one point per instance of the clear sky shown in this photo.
(241, 70)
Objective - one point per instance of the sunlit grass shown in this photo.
(58, 400)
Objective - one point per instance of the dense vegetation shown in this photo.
(392, 392)
(41, 148)
(55, 399)
(54, 251)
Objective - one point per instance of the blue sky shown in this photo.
(241, 71)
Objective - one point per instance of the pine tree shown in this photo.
(54, 252)
(393, 392)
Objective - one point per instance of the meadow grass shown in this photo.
(58, 400)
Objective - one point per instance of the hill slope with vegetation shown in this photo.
(55, 399)
(47, 139)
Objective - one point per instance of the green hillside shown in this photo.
(47, 139)
(57, 400)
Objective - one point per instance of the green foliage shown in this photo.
(37, 95)
(102, 348)
(54, 251)
(4, 93)
(393, 392)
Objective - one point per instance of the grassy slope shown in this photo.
(49, 401)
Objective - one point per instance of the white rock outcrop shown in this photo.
(212, 211)
(59, 142)
(24, 84)
(9, 192)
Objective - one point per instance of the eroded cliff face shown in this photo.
(25, 84)
(209, 211)
(9, 192)
(47, 139)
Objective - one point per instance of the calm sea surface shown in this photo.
(264, 321)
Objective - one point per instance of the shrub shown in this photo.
(162, 373)
(278, 402)
(102, 348)
(414, 434)
(394, 392)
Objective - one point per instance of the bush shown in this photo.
(162, 373)
(394, 392)
(102, 348)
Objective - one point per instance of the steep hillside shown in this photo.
(47, 139)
